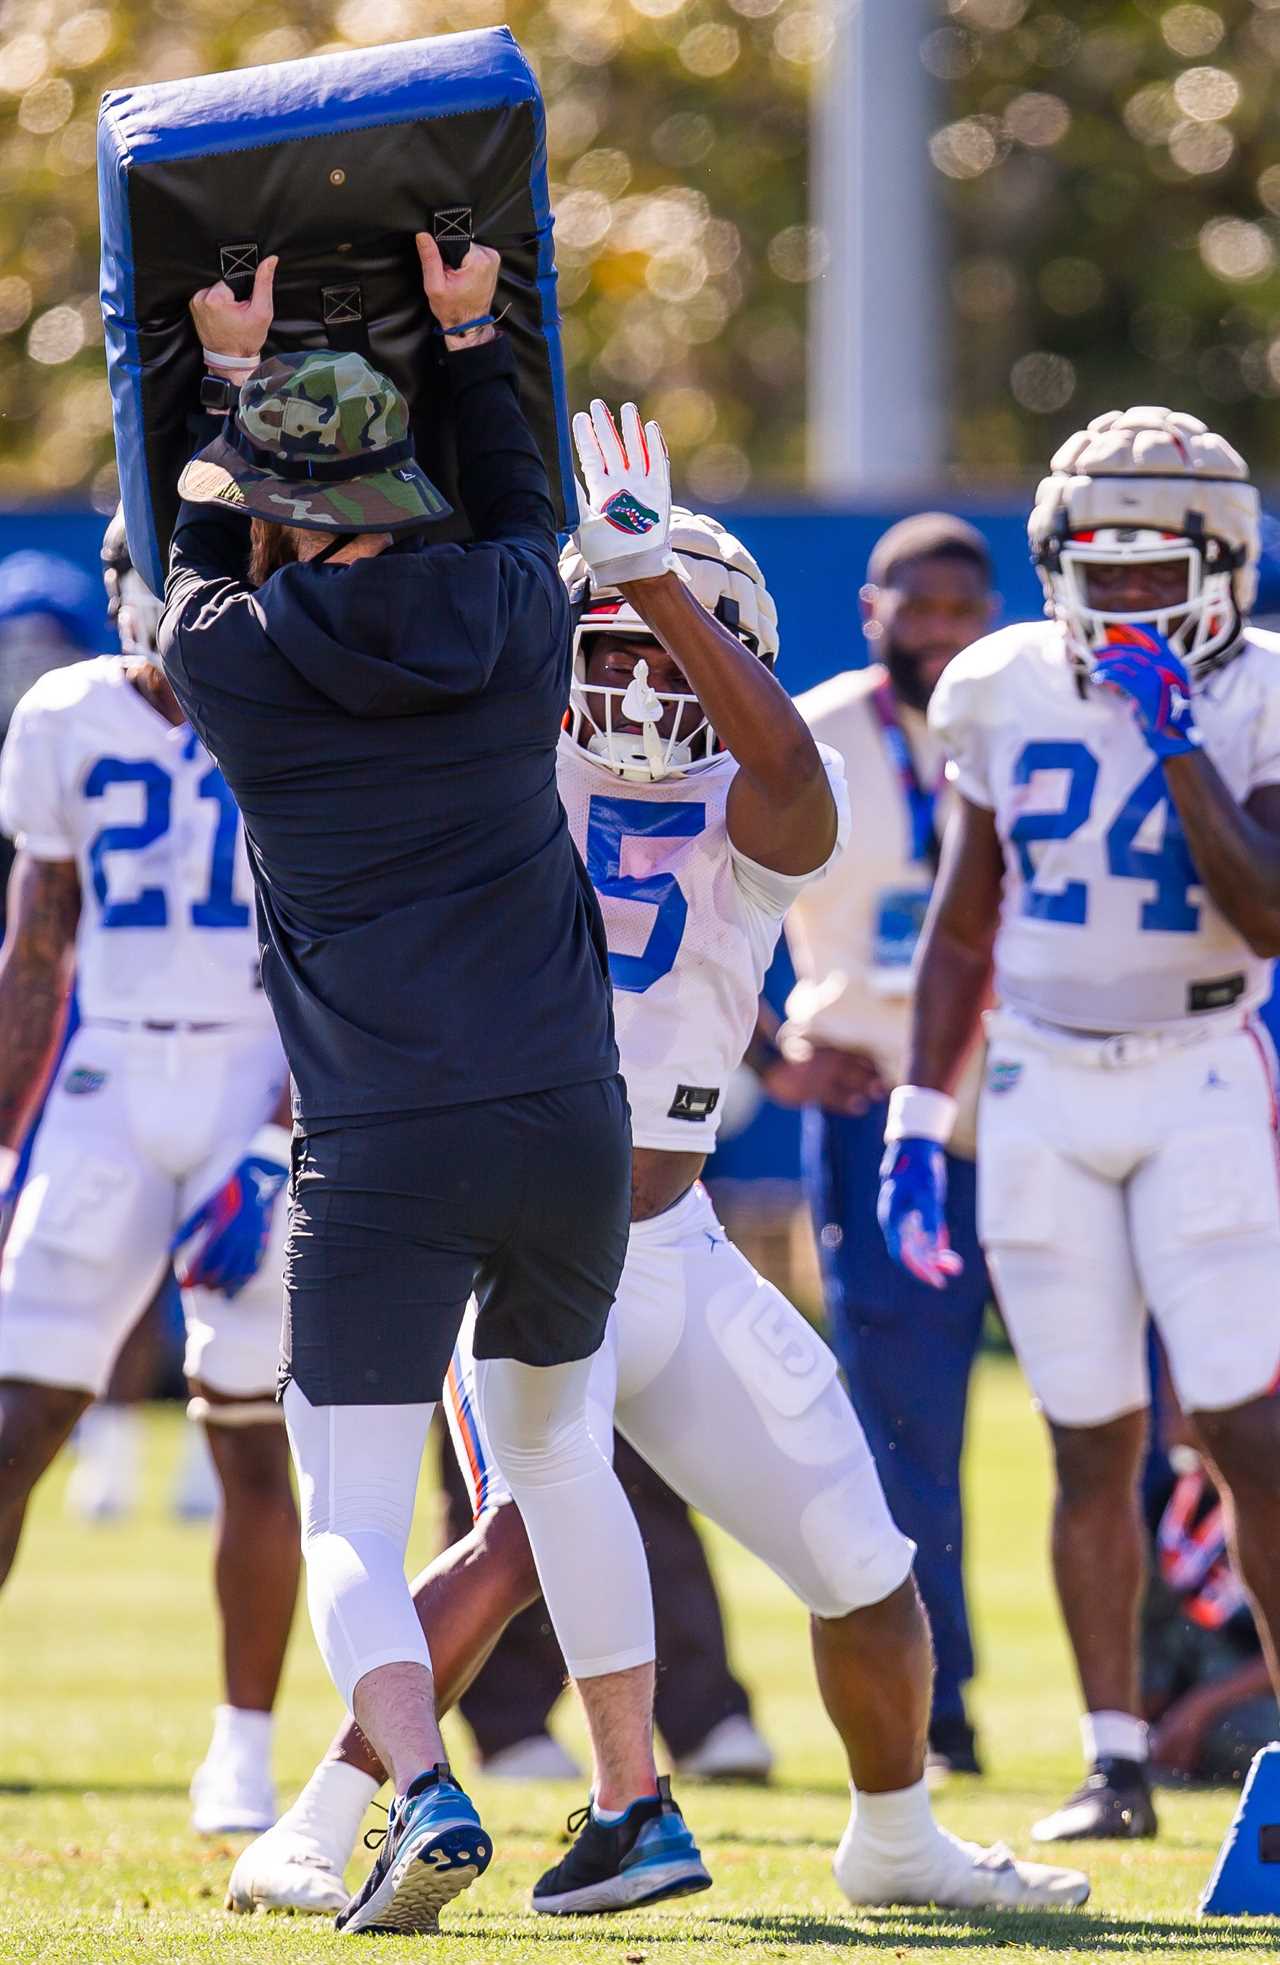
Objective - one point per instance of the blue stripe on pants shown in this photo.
(906, 1352)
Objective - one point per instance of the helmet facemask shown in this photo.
(598, 711)
(1202, 624)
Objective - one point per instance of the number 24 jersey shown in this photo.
(691, 925)
(90, 772)
(1104, 923)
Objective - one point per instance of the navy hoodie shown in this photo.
(389, 729)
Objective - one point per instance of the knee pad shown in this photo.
(857, 1554)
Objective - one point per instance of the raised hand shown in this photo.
(232, 327)
(1141, 666)
(456, 294)
(624, 530)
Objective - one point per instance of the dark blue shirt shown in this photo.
(389, 731)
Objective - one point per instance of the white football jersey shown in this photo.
(1104, 925)
(691, 926)
(90, 772)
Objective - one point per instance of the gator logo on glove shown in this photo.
(625, 513)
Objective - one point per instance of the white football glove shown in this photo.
(623, 533)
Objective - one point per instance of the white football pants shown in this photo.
(139, 1127)
(720, 1384)
(1117, 1175)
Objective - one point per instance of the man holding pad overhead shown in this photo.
(386, 712)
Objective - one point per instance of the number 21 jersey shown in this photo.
(90, 772)
(1104, 923)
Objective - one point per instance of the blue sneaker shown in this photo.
(433, 1848)
(645, 1857)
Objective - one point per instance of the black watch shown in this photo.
(218, 394)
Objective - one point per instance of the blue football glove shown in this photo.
(912, 1210)
(1140, 665)
(221, 1245)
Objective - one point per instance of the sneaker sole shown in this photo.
(423, 1882)
(629, 1888)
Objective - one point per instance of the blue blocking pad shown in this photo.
(1246, 1877)
(332, 163)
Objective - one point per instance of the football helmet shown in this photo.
(726, 579)
(132, 608)
(1146, 486)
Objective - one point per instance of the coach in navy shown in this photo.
(386, 712)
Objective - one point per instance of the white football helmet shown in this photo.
(1142, 486)
(726, 579)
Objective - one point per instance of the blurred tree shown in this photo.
(1112, 169)
(677, 137)
(1113, 172)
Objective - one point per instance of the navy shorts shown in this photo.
(395, 1221)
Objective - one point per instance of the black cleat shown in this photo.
(1113, 1804)
(645, 1857)
(953, 1749)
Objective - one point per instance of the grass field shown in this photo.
(107, 1651)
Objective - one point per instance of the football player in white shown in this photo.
(162, 1134)
(701, 805)
(1114, 864)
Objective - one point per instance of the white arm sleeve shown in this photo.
(954, 717)
(32, 807)
(772, 893)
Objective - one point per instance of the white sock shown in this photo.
(331, 1808)
(241, 1735)
(1113, 1736)
(608, 1816)
(898, 1826)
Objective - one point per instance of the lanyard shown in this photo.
(920, 799)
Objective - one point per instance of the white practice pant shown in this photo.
(140, 1126)
(721, 1385)
(358, 1478)
(1121, 1175)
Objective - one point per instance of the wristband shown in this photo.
(918, 1112)
(273, 1142)
(465, 327)
(8, 1167)
(246, 362)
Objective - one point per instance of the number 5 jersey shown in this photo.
(91, 772)
(1104, 923)
(691, 924)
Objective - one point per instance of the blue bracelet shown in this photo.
(465, 327)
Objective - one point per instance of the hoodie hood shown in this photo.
(373, 636)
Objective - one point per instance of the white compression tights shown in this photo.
(358, 1477)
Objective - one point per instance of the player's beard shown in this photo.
(911, 685)
(271, 546)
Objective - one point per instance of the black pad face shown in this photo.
(340, 208)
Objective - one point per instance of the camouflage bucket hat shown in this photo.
(320, 441)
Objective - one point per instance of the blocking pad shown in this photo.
(333, 163)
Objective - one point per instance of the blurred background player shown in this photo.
(1114, 863)
(701, 1707)
(702, 806)
(852, 939)
(50, 614)
(163, 1128)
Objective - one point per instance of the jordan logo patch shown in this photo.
(694, 1102)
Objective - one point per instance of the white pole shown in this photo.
(877, 381)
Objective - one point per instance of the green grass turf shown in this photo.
(107, 1675)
